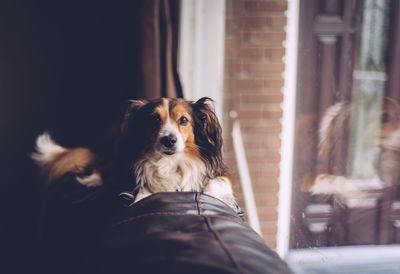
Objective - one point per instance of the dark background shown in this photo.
(65, 67)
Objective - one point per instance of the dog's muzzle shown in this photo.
(169, 144)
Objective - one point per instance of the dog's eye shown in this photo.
(183, 121)
(157, 118)
(384, 118)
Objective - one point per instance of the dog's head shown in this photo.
(170, 127)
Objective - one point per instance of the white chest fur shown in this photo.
(159, 173)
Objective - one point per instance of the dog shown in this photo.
(164, 145)
(377, 161)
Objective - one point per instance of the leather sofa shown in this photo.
(93, 231)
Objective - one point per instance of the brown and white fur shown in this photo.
(165, 145)
(328, 177)
(56, 160)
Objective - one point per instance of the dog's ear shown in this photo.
(208, 134)
(132, 107)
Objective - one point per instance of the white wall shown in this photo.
(201, 50)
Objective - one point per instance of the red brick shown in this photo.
(262, 166)
(269, 227)
(248, 84)
(269, 232)
(272, 128)
(233, 26)
(269, 164)
(263, 125)
(260, 169)
(235, 9)
(264, 159)
(256, 92)
(263, 23)
(259, 23)
(271, 143)
(263, 186)
(276, 22)
(251, 114)
(271, 188)
(232, 46)
(274, 83)
(262, 153)
(258, 175)
(263, 69)
(233, 67)
(275, 54)
(257, 7)
(253, 54)
(253, 147)
(264, 38)
(252, 86)
(267, 213)
(267, 200)
(273, 76)
(272, 114)
(267, 167)
(261, 98)
(272, 158)
(257, 107)
(270, 240)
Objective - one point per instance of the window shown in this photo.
(347, 133)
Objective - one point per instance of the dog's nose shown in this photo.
(168, 141)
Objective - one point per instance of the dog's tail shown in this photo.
(56, 161)
(334, 120)
(47, 150)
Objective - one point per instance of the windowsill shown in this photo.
(368, 259)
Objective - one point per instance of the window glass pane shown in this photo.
(369, 81)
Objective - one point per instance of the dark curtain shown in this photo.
(68, 67)
(159, 44)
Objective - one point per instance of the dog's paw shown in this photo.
(221, 188)
(92, 180)
(143, 193)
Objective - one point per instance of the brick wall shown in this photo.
(253, 82)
